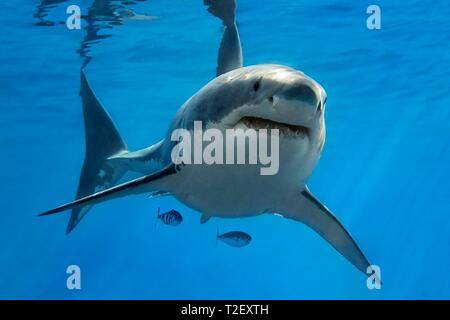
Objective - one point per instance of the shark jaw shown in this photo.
(231, 146)
(288, 130)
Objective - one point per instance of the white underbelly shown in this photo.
(241, 190)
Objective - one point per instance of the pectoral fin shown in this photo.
(136, 186)
(304, 207)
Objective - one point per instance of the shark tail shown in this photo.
(102, 141)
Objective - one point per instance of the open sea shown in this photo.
(385, 169)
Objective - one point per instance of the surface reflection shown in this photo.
(100, 16)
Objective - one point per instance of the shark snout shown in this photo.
(300, 102)
(306, 92)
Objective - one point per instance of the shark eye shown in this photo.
(257, 85)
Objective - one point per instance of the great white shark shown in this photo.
(256, 97)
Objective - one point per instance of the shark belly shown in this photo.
(224, 190)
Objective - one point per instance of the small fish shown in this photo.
(171, 218)
(234, 238)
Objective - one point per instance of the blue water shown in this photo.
(384, 171)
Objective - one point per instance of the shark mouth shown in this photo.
(285, 129)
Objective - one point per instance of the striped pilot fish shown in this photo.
(171, 218)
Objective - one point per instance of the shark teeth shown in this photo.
(285, 129)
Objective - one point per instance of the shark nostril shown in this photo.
(319, 107)
(270, 99)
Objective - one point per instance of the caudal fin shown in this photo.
(102, 141)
